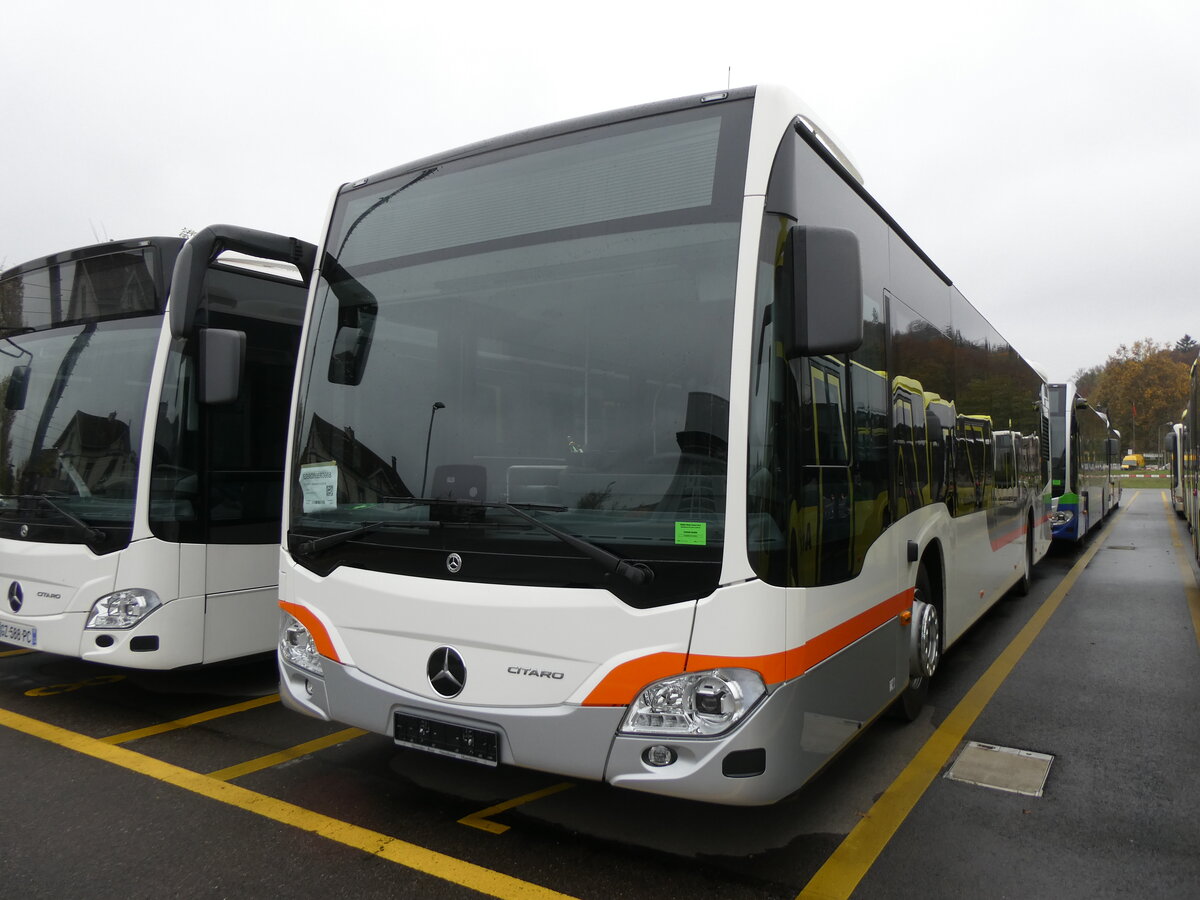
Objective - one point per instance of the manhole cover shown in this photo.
(1002, 768)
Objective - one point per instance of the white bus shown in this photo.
(1174, 450)
(139, 495)
(1084, 464)
(644, 448)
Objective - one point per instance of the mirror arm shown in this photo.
(191, 266)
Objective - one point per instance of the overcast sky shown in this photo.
(1045, 154)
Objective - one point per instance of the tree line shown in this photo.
(1143, 388)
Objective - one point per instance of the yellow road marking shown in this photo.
(1190, 588)
(480, 819)
(274, 759)
(128, 736)
(53, 690)
(420, 859)
(849, 863)
(4, 653)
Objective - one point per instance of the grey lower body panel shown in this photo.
(794, 731)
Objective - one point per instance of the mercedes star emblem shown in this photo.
(16, 596)
(447, 672)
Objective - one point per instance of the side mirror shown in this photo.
(18, 388)
(1113, 447)
(820, 284)
(1081, 402)
(351, 344)
(222, 358)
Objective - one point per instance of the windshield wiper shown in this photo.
(634, 573)
(81, 526)
(316, 545)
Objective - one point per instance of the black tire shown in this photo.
(912, 700)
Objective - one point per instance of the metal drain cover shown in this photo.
(1002, 768)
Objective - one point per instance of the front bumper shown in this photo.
(770, 754)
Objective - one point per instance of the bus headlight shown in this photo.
(1061, 517)
(296, 645)
(697, 703)
(123, 609)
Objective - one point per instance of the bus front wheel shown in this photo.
(925, 648)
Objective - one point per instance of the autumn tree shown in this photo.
(1086, 380)
(1144, 388)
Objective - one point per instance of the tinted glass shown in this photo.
(549, 324)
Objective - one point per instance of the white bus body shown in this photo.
(1085, 455)
(644, 448)
(139, 522)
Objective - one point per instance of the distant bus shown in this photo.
(645, 448)
(1190, 439)
(1084, 452)
(139, 494)
(1174, 448)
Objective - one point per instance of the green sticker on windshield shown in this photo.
(691, 533)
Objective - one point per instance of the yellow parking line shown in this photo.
(128, 736)
(274, 759)
(420, 859)
(849, 863)
(4, 653)
(480, 819)
(1190, 588)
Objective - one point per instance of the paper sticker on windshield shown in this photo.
(691, 533)
(318, 483)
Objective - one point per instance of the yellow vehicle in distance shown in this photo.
(1133, 461)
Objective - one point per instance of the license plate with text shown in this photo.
(25, 635)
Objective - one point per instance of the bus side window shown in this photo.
(822, 523)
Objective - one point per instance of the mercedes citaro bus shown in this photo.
(646, 448)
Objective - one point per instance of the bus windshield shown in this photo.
(72, 433)
(547, 326)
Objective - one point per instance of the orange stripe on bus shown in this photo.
(621, 685)
(1006, 539)
(320, 635)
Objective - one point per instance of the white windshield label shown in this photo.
(318, 483)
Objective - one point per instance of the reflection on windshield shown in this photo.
(588, 374)
(77, 434)
(526, 354)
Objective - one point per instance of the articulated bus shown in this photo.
(1085, 452)
(645, 448)
(140, 495)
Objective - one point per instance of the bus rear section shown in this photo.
(632, 449)
(139, 520)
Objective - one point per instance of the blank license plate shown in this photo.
(473, 744)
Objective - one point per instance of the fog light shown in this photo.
(659, 756)
(296, 646)
(123, 609)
